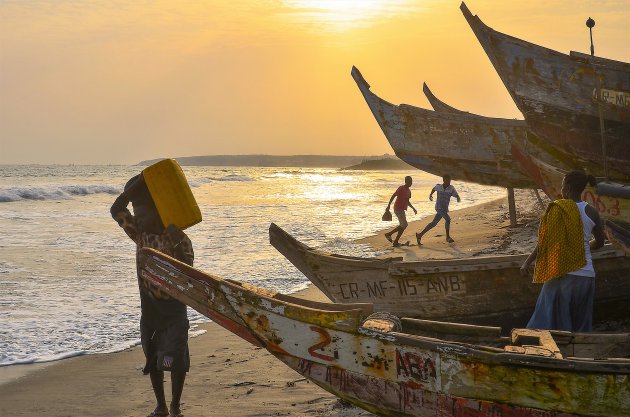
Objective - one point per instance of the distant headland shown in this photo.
(304, 161)
(381, 164)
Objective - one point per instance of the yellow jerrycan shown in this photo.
(171, 194)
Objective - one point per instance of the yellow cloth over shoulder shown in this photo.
(560, 241)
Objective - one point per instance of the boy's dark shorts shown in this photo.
(166, 349)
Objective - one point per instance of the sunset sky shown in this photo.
(122, 81)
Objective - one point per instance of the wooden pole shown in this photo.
(590, 23)
(512, 205)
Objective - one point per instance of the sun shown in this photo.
(345, 14)
(339, 5)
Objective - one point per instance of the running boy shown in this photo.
(444, 193)
(403, 197)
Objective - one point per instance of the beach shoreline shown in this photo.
(230, 377)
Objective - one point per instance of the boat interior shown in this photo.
(544, 343)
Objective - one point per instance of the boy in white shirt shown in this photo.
(444, 193)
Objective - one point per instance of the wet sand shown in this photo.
(230, 377)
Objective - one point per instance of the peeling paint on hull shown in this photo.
(531, 144)
(555, 93)
(404, 374)
(484, 290)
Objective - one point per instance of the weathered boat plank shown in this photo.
(406, 373)
(484, 290)
(558, 95)
(468, 147)
(530, 144)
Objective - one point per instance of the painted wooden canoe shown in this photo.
(468, 147)
(478, 290)
(561, 95)
(410, 367)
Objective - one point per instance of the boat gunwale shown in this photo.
(462, 349)
(475, 22)
(486, 36)
(287, 300)
(443, 107)
(498, 261)
(458, 117)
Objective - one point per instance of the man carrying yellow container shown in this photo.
(164, 322)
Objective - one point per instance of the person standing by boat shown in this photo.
(563, 259)
(444, 193)
(403, 200)
(164, 321)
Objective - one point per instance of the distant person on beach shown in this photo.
(444, 193)
(403, 200)
(563, 259)
(164, 321)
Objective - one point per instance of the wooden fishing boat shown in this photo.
(409, 367)
(522, 137)
(468, 147)
(611, 199)
(439, 105)
(561, 96)
(479, 290)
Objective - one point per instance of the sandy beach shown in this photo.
(228, 376)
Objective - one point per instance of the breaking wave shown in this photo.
(232, 177)
(198, 182)
(54, 192)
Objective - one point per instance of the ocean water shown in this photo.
(67, 273)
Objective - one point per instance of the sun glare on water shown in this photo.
(347, 14)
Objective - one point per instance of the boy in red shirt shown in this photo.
(403, 197)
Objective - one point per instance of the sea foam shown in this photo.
(54, 192)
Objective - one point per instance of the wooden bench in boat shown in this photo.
(534, 342)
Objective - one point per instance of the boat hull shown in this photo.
(612, 200)
(403, 374)
(613, 206)
(468, 147)
(521, 137)
(483, 291)
(561, 96)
